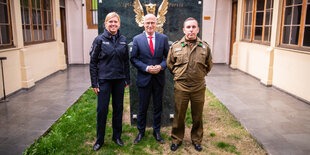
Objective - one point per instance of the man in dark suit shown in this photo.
(149, 54)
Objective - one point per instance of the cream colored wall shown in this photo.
(27, 64)
(292, 72)
(12, 71)
(284, 68)
(252, 58)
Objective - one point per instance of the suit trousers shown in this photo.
(156, 90)
(181, 100)
(116, 88)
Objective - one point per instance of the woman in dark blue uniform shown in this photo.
(109, 72)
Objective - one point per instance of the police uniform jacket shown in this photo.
(109, 58)
(189, 64)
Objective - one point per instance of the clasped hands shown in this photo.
(154, 69)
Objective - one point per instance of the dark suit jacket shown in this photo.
(141, 57)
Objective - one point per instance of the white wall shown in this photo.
(79, 36)
(216, 31)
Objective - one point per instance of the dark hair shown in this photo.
(188, 19)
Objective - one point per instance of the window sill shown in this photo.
(303, 50)
(8, 48)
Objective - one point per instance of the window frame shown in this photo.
(11, 44)
(253, 22)
(302, 24)
(43, 25)
(89, 15)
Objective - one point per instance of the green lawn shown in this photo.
(75, 133)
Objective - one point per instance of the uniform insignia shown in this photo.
(123, 43)
(183, 44)
(106, 43)
(177, 49)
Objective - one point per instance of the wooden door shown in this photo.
(233, 27)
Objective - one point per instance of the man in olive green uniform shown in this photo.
(189, 60)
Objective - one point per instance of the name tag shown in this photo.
(177, 49)
(106, 43)
(122, 43)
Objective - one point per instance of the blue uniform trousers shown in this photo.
(116, 88)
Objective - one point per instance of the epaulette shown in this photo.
(175, 42)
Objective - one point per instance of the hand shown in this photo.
(154, 69)
(96, 90)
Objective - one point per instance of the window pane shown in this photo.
(4, 1)
(259, 18)
(38, 4)
(267, 18)
(3, 14)
(260, 5)
(27, 35)
(269, 4)
(33, 3)
(258, 33)
(35, 33)
(46, 5)
(289, 2)
(308, 14)
(298, 2)
(286, 34)
(26, 16)
(5, 34)
(267, 34)
(250, 19)
(249, 5)
(34, 16)
(297, 14)
(39, 17)
(246, 19)
(288, 16)
(306, 41)
(40, 33)
(295, 35)
(48, 32)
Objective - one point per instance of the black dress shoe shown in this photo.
(139, 138)
(97, 147)
(118, 141)
(158, 137)
(174, 147)
(197, 147)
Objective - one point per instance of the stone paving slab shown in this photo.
(280, 122)
(30, 113)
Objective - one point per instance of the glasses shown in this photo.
(150, 23)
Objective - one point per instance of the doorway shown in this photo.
(233, 27)
(63, 27)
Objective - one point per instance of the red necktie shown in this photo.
(151, 45)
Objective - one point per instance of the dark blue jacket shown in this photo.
(109, 59)
(141, 57)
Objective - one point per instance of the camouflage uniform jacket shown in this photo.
(189, 64)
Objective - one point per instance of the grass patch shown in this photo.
(75, 132)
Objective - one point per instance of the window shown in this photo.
(296, 23)
(36, 20)
(258, 20)
(5, 24)
(92, 14)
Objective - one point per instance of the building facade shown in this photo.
(267, 39)
(273, 43)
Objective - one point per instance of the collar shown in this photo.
(184, 42)
(147, 36)
(107, 34)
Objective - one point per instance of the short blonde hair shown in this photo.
(111, 15)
